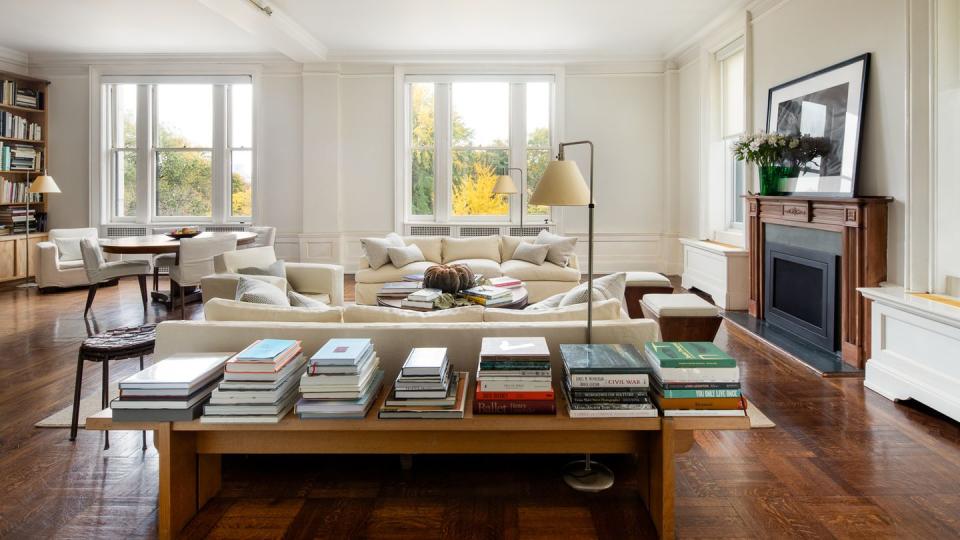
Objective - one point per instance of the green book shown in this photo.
(688, 354)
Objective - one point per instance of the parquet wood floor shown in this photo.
(842, 463)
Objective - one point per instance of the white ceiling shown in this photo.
(601, 28)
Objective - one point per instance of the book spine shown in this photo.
(513, 386)
(513, 364)
(511, 396)
(724, 404)
(496, 373)
(697, 385)
(577, 394)
(603, 380)
(699, 394)
(514, 407)
(599, 400)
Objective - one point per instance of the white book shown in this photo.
(608, 413)
(228, 397)
(251, 409)
(337, 383)
(180, 371)
(173, 404)
(600, 380)
(730, 412)
(248, 419)
(697, 375)
(425, 295)
(425, 361)
(293, 367)
(514, 386)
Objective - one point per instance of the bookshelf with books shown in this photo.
(23, 156)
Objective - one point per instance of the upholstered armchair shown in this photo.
(58, 268)
(196, 261)
(100, 271)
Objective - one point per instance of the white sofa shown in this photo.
(322, 282)
(54, 273)
(541, 281)
(393, 341)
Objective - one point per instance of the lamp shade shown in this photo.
(44, 184)
(561, 185)
(505, 185)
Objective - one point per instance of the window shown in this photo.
(180, 151)
(463, 134)
(732, 97)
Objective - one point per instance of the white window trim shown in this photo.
(100, 203)
(404, 74)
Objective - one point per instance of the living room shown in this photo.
(607, 269)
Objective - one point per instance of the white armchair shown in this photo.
(195, 261)
(56, 269)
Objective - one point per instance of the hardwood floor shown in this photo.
(843, 462)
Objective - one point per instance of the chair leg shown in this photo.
(183, 304)
(91, 292)
(76, 399)
(156, 278)
(143, 290)
(105, 398)
(143, 433)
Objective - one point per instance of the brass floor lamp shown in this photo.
(41, 184)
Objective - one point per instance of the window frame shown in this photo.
(443, 144)
(730, 164)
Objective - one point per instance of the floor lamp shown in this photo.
(506, 186)
(563, 185)
(41, 184)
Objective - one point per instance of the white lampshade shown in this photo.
(561, 185)
(505, 185)
(44, 184)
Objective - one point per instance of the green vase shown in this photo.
(771, 175)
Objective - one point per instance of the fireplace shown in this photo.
(802, 293)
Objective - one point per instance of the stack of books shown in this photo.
(514, 377)
(28, 98)
(17, 218)
(489, 296)
(343, 380)
(171, 390)
(18, 127)
(399, 289)
(695, 378)
(606, 381)
(422, 299)
(506, 282)
(259, 384)
(16, 192)
(19, 157)
(427, 387)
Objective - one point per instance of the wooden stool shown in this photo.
(682, 317)
(640, 284)
(116, 344)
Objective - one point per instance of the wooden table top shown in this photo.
(518, 301)
(161, 243)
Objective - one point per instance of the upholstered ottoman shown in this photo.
(640, 284)
(682, 317)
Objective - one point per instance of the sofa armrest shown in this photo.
(574, 262)
(48, 258)
(314, 278)
(225, 285)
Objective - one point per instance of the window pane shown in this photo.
(538, 114)
(185, 115)
(738, 177)
(126, 121)
(422, 182)
(241, 115)
(475, 172)
(241, 182)
(481, 114)
(421, 115)
(537, 161)
(733, 94)
(125, 187)
(184, 184)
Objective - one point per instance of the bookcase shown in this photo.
(23, 115)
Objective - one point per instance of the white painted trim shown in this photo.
(709, 29)
(460, 57)
(276, 29)
(13, 60)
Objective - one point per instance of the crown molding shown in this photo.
(14, 58)
(43, 61)
(718, 22)
(760, 8)
(483, 57)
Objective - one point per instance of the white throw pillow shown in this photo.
(402, 256)
(531, 253)
(547, 303)
(480, 247)
(68, 248)
(221, 309)
(612, 286)
(378, 314)
(276, 269)
(375, 249)
(561, 247)
(301, 300)
(606, 310)
(255, 291)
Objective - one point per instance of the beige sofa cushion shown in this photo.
(679, 305)
(221, 309)
(647, 279)
(389, 272)
(231, 261)
(606, 310)
(481, 247)
(431, 246)
(377, 314)
(547, 271)
(486, 267)
(604, 288)
(375, 249)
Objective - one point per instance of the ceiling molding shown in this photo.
(760, 8)
(13, 58)
(483, 57)
(44, 61)
(277, 30)
(721, 20)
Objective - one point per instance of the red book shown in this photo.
(513, 396)
(514, 407)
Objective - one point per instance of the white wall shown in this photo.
(68, 131)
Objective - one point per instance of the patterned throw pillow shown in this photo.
(301, 300)
(561, 247)
(375, 249)
(276, 269)
(402, 256)
(531, 253)
(258, 292)
(605, 288)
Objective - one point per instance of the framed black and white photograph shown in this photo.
(824, 110)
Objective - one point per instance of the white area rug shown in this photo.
(89, 405)
(757, 418)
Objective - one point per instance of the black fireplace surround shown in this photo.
(801, 291)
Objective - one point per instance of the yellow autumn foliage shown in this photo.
(474, 196)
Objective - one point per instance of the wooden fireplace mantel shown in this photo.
(862, 223)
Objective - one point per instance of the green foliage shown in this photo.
(473, 195)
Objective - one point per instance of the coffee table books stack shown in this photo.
(343, 380)
(488, 295)
(399, 289)
(514, 377)
(421, 299)
(606, 381)
(506, 282)
(259, 384)
(171, 390)
(427, 387)
(693, 378)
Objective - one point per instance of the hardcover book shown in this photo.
(180, 371)
(342, 351)
(603, 358)
(688, 354)
(264, 350)
(513, 406)
(519, 349)
(426, 361)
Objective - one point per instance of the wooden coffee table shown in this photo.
(519, 301)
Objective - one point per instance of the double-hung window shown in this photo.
(462, 133)
(180, 149)
(732, 99)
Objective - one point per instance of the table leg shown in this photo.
(656, 476)
(208, 476)
(177, 498)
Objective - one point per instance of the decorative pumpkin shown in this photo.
(467, 279)
(443, 277)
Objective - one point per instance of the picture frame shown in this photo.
(826, 107)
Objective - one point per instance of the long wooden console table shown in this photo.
(190, 451)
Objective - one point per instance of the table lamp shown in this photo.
(506, 186)
(41, 184)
